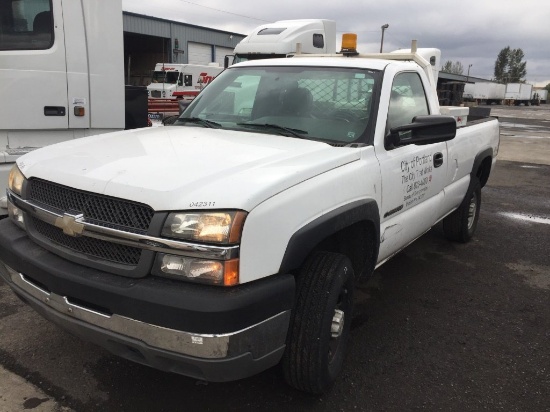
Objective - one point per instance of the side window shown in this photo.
(407, 100)
(26, 25)
(188, 80)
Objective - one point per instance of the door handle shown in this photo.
(54, 111)
(438, 159)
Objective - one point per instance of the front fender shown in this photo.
(305, 240)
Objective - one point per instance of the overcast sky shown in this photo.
(470, 31)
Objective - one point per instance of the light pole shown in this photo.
(468, 76)
(384, 27)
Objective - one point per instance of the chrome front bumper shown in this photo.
(214, 357)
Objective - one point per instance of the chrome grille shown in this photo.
(101, 249)
(97, 209)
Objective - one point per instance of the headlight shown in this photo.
(207, 227)
(16, 179)
(213, 272)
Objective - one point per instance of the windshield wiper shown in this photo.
(293, 132)
(203, 122)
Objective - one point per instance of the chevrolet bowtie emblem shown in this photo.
(70, 225)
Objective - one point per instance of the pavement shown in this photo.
(17, 394)
(524, 133)
(441, 326)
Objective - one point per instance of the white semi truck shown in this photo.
(61, 76)
(282, 38)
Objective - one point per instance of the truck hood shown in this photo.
(174, 168)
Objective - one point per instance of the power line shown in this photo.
(225, 11)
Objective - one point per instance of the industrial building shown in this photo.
(150, 40)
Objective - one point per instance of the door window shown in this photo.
(26, 24)
(407, 100)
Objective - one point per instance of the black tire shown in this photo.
(460, 225)
(313, 357)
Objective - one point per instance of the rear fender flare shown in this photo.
(480, 157)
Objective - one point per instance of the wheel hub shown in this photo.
(337, 323)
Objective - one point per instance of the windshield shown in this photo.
(170, 77)
(327, 104)
(256, 56)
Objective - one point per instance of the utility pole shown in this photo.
(384, 27)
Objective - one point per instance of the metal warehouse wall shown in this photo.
(149, 40)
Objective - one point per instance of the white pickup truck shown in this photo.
(231, 241)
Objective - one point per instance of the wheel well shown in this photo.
(484, 170)
(358, 243)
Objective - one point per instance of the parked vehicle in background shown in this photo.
(539, 95)
(181, 81)
(61, 77)
(518, 93)
(274, 40)
(281, 39)
(173, 85)
(484, 92)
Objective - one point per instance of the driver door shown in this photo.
(413, 176)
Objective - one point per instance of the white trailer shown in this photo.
(540, 95)
(518, 93)
(283, 38)
(485, 92)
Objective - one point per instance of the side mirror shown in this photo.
(423, 130)
(226, 62)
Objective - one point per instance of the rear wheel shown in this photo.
(320, 324)
(461, 224)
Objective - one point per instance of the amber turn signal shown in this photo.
(79, 111)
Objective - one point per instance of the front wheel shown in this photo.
(320, 324)
(460, 225)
